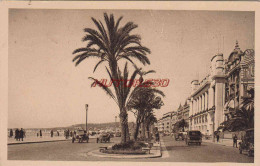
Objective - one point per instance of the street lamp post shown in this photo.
(86, 117)
(115, 122)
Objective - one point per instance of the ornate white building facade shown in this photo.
(222, 89)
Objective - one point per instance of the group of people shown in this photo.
(68, 133)
(18, 134)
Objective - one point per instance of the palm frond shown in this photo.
(98, 65)
(104, 87)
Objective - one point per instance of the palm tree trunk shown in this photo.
(125, 136)
(124, 126)
(143, 130)
(136, 129)
(148, 131)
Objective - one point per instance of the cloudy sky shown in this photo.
(47, 90)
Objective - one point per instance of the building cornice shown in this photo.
(200, 88)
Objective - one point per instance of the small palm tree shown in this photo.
(150, 119)
(110, 45)
(142, 102)
(242, 118)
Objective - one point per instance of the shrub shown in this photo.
(130, 145)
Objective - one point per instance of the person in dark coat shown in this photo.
(51, 133)
(16, 134)
(11, 133)
(58, 133)
(217, 137)
(40, 133)
(21, 134)
(235, 140)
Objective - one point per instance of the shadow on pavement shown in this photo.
(183, 147)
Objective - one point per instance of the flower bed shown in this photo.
(130, 147)
(129, 152)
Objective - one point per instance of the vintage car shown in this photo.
(247, 144)
(118, 134)
(194, 136)
(80, 135)
(104, 137)
(179, 136)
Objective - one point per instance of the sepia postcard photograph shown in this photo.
(129, 85)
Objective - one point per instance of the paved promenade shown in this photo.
(11, 141)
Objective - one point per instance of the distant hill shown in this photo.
(91, 126)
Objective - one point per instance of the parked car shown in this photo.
(118, 134)
(104, 137)
(179, 136)
(194, 136)
(80, 135)
(247, 143)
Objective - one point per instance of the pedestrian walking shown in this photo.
(11, 133)
(51, 133)
(21, 134)
(58, 133)
(157, 137)
(235, 140)
(40, 133)
(16, 134)
(217, 137)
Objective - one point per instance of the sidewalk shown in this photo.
(224, 142)
(12, 141)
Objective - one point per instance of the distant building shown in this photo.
(166, 123)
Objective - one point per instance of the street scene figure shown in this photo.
(21, 134)
(217, 136)
(51, 133)
(11, 133)
(40, 133)
(235, 141)
(17, 134)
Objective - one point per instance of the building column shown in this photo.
(203, 102)
(199, 104)
(219, 104)
(206, 100)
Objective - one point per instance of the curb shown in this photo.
(18, 143)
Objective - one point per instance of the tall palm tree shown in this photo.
(142, 102)
(110, 45)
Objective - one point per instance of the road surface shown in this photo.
(173, 151)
